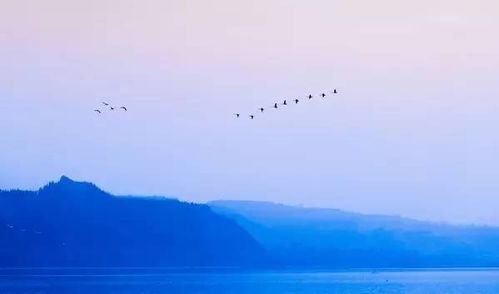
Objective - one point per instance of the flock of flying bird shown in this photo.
(251, 116)
(285, 102)
(110, 107)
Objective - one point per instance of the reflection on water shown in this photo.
(128, 281)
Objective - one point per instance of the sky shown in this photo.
(413, 131)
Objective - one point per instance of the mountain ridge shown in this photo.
(329, 237)
(69, 223)
(326, 210)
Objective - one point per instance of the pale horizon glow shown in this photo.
(412, 133)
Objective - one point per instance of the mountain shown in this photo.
(76, 224)
(315, 237)
(70, 223)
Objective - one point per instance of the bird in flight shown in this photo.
(124, 108)
(105, 103)
(276, 104)
(112, 108)
(98, 111)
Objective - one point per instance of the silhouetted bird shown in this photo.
(309, 96)
(237, 114)
(252, 116)
(112, 108)
(124, 108)
(296, 101)
(285, 103)
(275, 105)
(105, 103)
(98, 111)
(323, 95)
(335, 92)
(261, 109)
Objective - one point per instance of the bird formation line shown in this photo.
(109, 107)
(285, 103)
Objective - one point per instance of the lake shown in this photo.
(148, 281)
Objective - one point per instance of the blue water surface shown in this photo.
(131, 281)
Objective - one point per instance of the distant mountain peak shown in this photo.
(65, 179)
(68, 186)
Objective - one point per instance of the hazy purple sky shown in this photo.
(414, 131)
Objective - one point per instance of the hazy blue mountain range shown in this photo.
(70, 223)
(306, 237)
(76, 224)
